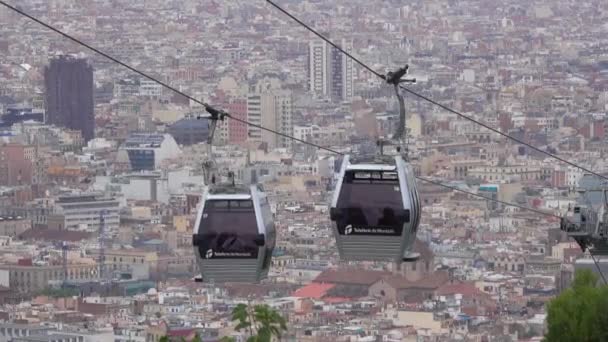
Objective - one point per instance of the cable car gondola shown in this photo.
(375, 208)
(234, 235)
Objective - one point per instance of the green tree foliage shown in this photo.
(196, 338)
(271, 323)
(261, 322)
(580, 313)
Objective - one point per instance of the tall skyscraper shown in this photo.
(69, 95)
(341, 84)
(318, 68)
(330, 71)
(271, 108)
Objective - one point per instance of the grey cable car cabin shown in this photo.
(234, 235)
(376, 210)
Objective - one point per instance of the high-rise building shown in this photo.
(318, 68)
(270, 108)
(341, 73)
(69, 95)
(330, 71)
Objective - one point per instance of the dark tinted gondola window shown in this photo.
(371, 199)
(229, 229)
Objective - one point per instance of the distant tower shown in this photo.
(69, 95)
(318, 68)
(330, 72)
(341, 73)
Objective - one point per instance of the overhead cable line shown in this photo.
(219, 113)
(444, 107)
(97, 51)
(430, 181)
(598, 268)
(326, 40)
(215, 113)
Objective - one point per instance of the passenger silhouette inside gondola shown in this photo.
(388, 218)
(231, 242)
(356, 217)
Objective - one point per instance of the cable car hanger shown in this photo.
(400, 137)
(209, 164)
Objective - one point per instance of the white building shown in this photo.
(318, 68)
(150, 186)
(84, 211)
(146, 151)
(573, 175)
(330, 72)
(150, 89)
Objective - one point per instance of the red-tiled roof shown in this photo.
(471, 311)
(466, 289)
(350, 277)
(432, 281)
(313, 290)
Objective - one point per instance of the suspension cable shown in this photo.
(488, 198)
(213, 111)
(597, 265)
(425, 98)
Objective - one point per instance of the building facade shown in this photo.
(74, 212)
(69, 95)
(146, 151)
(330, 72)
(16, 164)
(272, 109)
(318, 68)
(30, 278)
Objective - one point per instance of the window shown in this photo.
(229, 227)
(372, 199)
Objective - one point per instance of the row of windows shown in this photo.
(24, 277)
(120, 259)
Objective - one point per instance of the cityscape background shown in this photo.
(101, 168)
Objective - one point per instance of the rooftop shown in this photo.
(144, 139)
(313, 290)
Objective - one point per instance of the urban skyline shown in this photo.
(102, 168)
